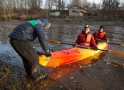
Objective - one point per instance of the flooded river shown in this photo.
(104, 73)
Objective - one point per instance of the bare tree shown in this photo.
(108, 5)
(58, 4)
(6, 9)
(86, 4)
(94, 6)
(50, 4)
(75, 2)
(82, 3)
(9, 9)
(39, 3)
(98, 6)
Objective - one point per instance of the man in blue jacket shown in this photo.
(20, 39)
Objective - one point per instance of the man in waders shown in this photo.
(20, 39)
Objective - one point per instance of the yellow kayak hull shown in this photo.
(69, 55)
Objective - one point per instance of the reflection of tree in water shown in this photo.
(6, 28)
(98, 57)
(4, 36)
(64, 71)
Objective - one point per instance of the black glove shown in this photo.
(103, 40)
(95, 48)
(48, 53)
(73, 45)
(40, 53)
(100, 41)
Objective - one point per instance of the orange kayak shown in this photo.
(69, 55)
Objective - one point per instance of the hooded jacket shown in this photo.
(85, 40)
(100, 36)
(30, 30)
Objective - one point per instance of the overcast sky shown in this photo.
(99, 1)
(95, 1)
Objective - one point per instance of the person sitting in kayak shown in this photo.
(100, 35)
(20, 39)
(85, 38)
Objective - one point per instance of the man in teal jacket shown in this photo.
(20, 39)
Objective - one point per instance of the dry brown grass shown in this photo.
(10, 81)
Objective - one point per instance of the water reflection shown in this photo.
(64, 71)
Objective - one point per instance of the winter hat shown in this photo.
(87, 26)
(45, 23)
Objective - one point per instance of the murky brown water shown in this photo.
(104, 73)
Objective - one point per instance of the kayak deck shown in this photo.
(69, 55)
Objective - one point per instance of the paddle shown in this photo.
(116, 44)
(111, 51)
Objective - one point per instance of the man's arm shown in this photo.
(42, 39)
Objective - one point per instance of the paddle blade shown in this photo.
(116, 52)
(116, 44)
(122, 44)
(52, 41)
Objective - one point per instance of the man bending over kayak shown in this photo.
(20, 39)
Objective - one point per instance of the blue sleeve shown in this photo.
(41, 37)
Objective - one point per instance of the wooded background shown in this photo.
(32, 9)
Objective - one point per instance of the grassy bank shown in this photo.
(10, 81)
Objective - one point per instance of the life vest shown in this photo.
(84, 40)
(99, 36)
